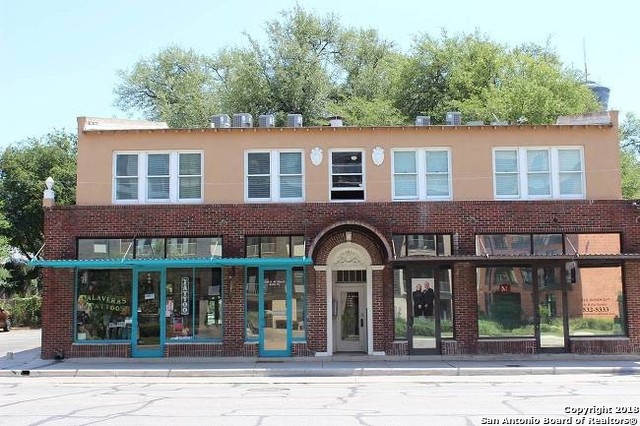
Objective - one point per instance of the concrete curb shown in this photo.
(319, 372)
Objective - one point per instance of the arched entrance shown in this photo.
(349, 259)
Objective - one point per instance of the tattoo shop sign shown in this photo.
(184, 296)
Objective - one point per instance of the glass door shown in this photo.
(551, 327)
(351, 318)
(274, 334)
(148, 320)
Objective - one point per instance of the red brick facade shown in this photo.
(372, 226)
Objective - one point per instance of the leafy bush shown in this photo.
(489, 328)
(25, 311)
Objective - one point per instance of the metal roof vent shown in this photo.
(453, 118)
(294, 120)
(242, 120)
(475, 123)
(220, 120)
(423, 120)
(267, 120)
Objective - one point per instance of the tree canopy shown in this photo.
(629, 161)
(24, 167)
(315, 66)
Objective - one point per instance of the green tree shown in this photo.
(176, 85)
(629, 133)
(486, 81)
(23, 169)
(5, 275)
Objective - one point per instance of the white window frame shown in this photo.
(274, 176)
(364, 179)
(173, 178)
(523, 173)
(421, 171)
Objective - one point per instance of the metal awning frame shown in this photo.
(274, 262)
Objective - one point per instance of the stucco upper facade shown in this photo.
(471, 150)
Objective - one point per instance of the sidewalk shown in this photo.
(28, 363)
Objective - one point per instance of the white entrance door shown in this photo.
(350, 318)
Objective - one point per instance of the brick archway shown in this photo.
(350, 231)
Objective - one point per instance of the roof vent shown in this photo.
(294, 120)
(267, 120)
(453, 118)
(220, 120)
(242, 120)
(475, 123)
(423, 120)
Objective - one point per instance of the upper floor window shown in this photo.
(158, 177)
(421, 174)
(531, 173)
(274, 176)
(347, 176)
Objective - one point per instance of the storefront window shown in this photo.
(115, 248)
(503, 244)
(446, 304)
(593, 244)
(422, 245)
(274, 246)
(400, 304)
(505, 302)
(193, 304)
(179, 304)
(208, 304)
(596, 303)
(194, 247)
(150, 248)
(103, 304)
(251, 308)
(298, 307)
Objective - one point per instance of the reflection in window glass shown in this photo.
(547, 244)
(592, 244)
(446, 304)
(178, 248)
(115, 248)
(274, 246)
(178, 310)
(422, 245)
(208, 304)
(149, 248)
(298, 308)
(596, 303)
(504, 244)
(400, 304)
(251, 304)
(505, 302)
(103, 304)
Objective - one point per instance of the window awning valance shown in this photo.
(272, 262)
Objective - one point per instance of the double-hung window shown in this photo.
(158, 177)
(538, 173)
(422, 174)
(347, 176)
(274, 176)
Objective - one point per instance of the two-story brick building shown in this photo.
(312, 241)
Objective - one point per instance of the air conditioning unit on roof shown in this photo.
(267, 120)
(423, 120)
(242, 120)
(220, 120)
(453, 118)
(294, 120)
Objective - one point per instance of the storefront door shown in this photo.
(275, 309)
(350, 317)
(148, 309)
(552, 326)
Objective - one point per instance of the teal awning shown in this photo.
(279, 262)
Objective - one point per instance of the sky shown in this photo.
(59, 59)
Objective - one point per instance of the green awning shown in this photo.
(278, 262)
